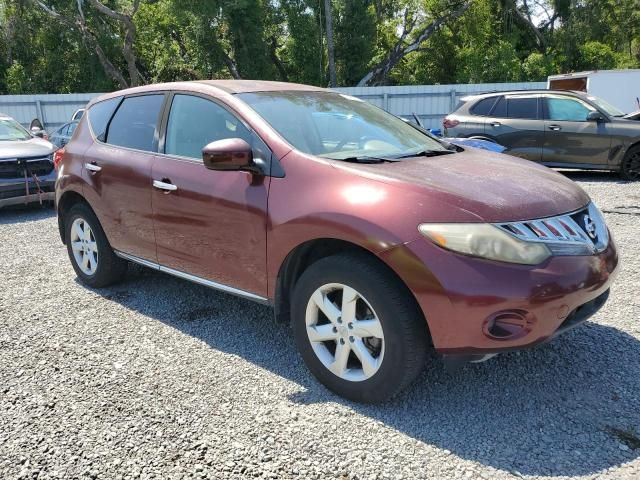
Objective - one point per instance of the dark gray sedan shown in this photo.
(26, 165)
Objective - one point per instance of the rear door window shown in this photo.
(135, 122)
(500, 110)
(483, 107)
(100, 114)
(525, 108)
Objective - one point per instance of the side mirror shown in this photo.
(231, 154)
(596, 117)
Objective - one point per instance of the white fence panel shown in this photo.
(53, 110)
(431, 103)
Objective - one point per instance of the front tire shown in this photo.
(91, 255)
(630, 168)
(358, 328)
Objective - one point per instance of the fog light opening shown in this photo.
(507, 325)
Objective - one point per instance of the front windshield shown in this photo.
(337, 126)
(606, 107)
(12, 130)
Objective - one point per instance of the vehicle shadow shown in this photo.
(25, 213)
(573, 402)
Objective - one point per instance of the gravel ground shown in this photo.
(160, 378)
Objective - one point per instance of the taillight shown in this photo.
(57, 157)
(450, 122)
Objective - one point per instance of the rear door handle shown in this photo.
(495, 124)
(555, 128)
(164, 185)
(92, 167)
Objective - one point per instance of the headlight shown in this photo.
(485, 241)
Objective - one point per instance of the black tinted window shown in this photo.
(134, 124)
(99, 115)
(500, 110)
(483, 107)
(525, 108)
(195, 122)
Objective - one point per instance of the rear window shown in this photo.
(483, 107)
(99, 115)
(516, 107)
(522, 107)
(134, 123)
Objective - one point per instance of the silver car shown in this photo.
(27, 173)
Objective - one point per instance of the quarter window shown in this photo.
(483, 107)
(99, 115)
(195, 122)
(134, 123)
(567, 109)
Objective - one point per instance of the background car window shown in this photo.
(63, 130)
(195, 122)
(522, 107)
(100, 114)
(567, 109)
(483, 107)
(500, 110)
(134, 123)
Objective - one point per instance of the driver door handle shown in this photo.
(165, 184)
(92, 167)
(555, 128)
(495, 124)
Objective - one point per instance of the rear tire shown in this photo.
(630, 168)
(358, 329)
(91, 255)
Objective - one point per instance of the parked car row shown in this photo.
(556, 128)
(373, 238)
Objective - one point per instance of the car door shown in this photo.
(516, 123)
(117, 171)
(569, 138)
(209, 224)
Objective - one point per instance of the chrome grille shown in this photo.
(579, 233)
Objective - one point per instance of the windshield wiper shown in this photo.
(367, 159)
(427, 153)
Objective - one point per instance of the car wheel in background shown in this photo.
(91, 255)
(630, 169)
(358, 328)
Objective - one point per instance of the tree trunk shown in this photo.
(379, 74)
(328, 17)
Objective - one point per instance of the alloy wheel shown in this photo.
(632, 166)
(345, 332)
(84, 246)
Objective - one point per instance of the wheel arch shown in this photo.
(64, 204)
(309, 252)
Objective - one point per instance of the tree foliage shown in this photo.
(99, 45)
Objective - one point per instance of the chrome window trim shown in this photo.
(192, 278)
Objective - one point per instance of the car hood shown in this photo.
(493, 187)
(33, 147)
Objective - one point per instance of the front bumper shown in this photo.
(13, 191)
(461, 296)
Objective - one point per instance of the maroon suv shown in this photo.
(373, 238)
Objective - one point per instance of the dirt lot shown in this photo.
(159, 378)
